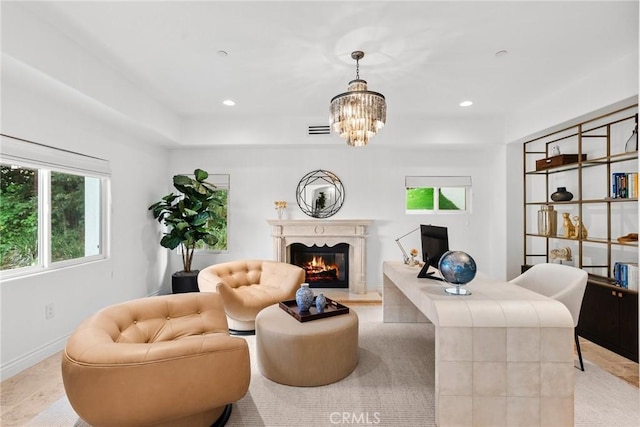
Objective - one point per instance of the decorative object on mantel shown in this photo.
(632, 143)
(358, 114)
(320, 194)
(561, 195)
(568, 225)
(457, 268)
(547, 220)
(561, 254)
(304, 297)
(281, 205)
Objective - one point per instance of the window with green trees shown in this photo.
(18, 217)
(51, 215)
(218, 226)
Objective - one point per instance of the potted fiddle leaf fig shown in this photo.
(189, 217)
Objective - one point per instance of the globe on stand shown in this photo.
(457, 268)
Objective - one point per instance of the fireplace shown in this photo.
(329, 233)
(324, 266)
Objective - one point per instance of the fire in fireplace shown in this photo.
(324, 266)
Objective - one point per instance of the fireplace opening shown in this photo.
(324, 266)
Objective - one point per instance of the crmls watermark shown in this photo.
(362, 418)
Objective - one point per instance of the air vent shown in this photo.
(319, 130)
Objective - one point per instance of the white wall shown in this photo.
(136, 264)
(373, 178)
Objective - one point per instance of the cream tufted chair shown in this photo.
(560, 282)
(158, 361)
(249, 286)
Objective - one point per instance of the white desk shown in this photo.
(503, 355)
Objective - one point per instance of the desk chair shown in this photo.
(560, 282)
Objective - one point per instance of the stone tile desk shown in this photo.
(503, 355)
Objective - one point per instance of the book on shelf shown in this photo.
(626, 275)
(624, 185)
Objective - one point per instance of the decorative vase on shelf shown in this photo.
(547, 220)
(632, 143)
(304, 297)
(562, 195)
(321, 302)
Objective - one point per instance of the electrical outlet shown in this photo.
(49, 311)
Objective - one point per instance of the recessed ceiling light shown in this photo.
(466, 103)
(501, 53)
(229, 102)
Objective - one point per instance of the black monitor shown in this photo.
(435, 242)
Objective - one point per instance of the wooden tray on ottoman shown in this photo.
(333, 308)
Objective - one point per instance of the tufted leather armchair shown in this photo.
(249, 286)
(164, 360)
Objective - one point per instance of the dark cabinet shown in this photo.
(609, 317)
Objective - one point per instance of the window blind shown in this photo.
(437, 181)
(33, 154)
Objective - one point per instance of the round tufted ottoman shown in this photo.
(312, 353)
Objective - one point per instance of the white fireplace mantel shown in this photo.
(325, 232)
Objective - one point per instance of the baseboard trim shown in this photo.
(15, 366)
(9, 369)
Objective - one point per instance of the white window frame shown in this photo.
(438, 182)
(46, 159)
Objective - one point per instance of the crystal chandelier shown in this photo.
(357, 114)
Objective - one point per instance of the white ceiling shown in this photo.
(290, 58)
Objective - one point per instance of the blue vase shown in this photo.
(304, 297)
(321, 302)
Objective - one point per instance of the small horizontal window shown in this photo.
(437, 194)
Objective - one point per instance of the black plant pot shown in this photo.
(182, 282)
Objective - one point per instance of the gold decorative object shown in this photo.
(569, 229)
(358, 114)
(281, 205)
(580, 231)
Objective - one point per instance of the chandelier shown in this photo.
(357, 114)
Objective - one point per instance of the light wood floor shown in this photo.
(28, 393)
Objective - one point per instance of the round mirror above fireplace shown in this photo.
(320, 194)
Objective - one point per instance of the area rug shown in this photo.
(393, 385)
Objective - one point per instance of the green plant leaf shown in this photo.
(200, 175)
(170, 242)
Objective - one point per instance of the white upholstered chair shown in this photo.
(560, 282)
